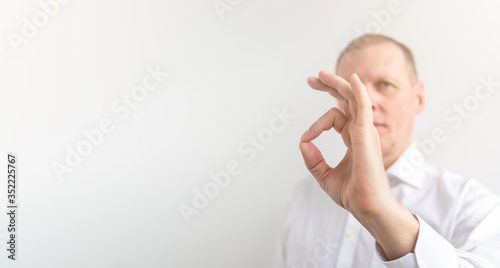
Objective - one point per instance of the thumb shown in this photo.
(314, 160)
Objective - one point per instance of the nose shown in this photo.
(374, 97)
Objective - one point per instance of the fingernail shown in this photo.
(305, 135)
(356, 76)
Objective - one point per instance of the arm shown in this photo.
(359, 184)
(480, 246)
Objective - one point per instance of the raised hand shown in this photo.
(358, 183)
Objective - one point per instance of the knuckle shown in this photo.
(334, 110)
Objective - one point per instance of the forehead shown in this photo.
(373, 61)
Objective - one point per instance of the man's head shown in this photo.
(387, 69)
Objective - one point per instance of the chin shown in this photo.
(385, 146)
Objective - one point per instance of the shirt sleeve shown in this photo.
(432, 250)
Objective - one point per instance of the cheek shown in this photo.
(400, 115)
(402, 118)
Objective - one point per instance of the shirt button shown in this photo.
(350, 234)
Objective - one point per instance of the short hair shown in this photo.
(373, 39)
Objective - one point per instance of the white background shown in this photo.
(120, 206)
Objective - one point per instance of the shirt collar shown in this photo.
(408, 168)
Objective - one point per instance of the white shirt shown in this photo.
(459, 222)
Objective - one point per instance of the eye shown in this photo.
(387, 88)
(385, 84)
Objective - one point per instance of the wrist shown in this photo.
(394, 228)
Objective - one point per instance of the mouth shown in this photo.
(379, 125)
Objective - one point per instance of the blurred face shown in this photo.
(395, 94)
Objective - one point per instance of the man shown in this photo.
(390, 207)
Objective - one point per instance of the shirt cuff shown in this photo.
(431, 250)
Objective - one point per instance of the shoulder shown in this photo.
(308, 198)
(305, 186)
(306, 190)
(454, 186)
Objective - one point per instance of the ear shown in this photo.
(420, 97)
